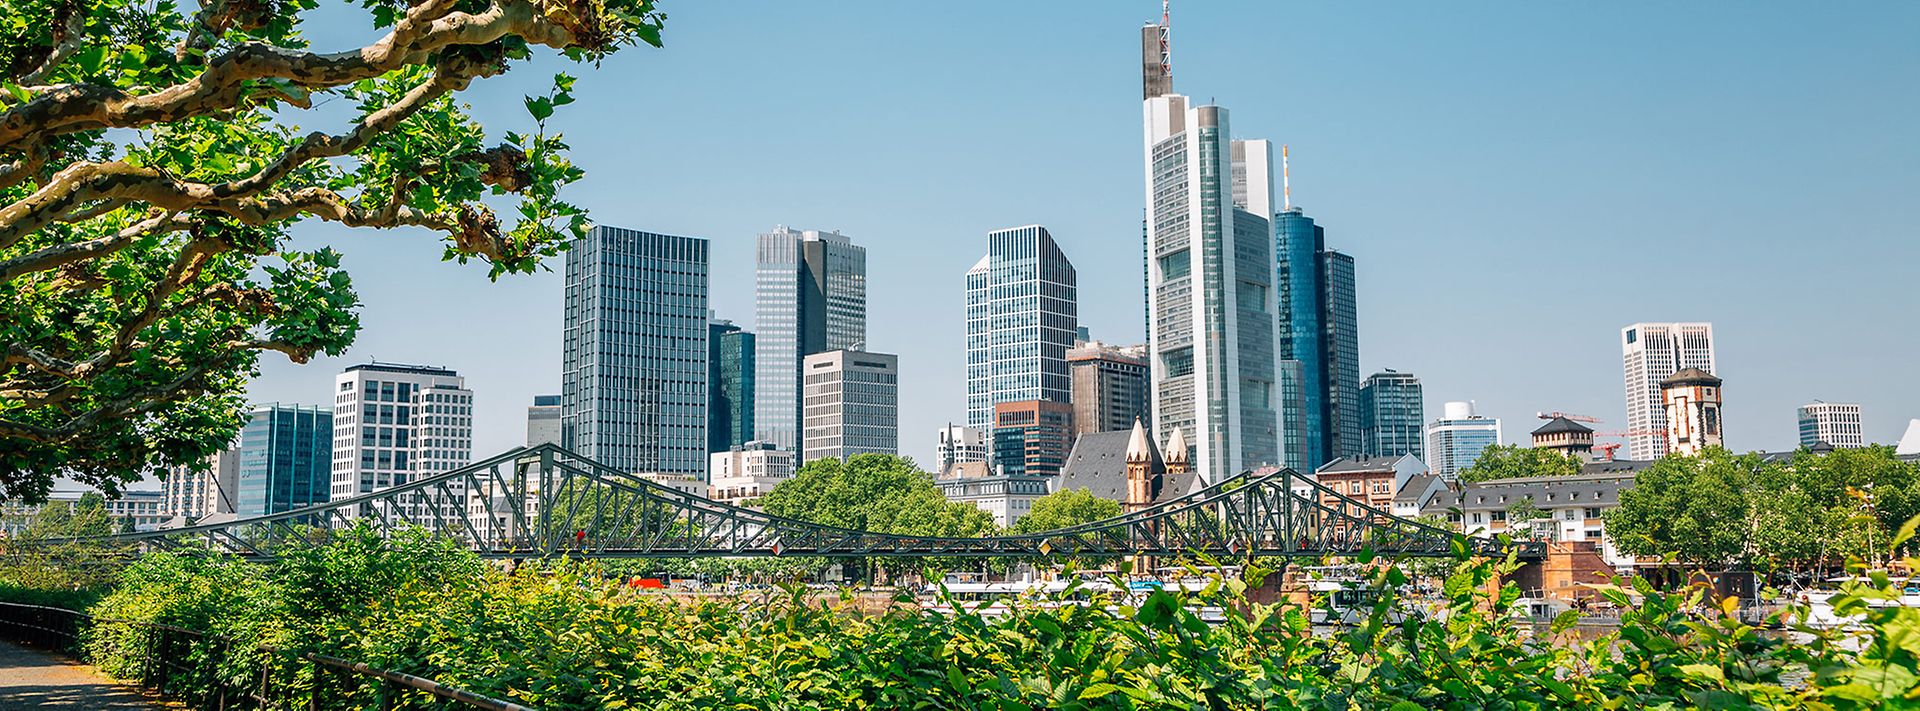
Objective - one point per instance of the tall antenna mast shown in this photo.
(1166, 37)
(1286, 180)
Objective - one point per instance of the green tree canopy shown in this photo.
(1062, 509)
(152, 159)
(1513, 461)
(874, 492)
(1692, 507)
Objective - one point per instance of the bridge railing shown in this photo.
(204, 670)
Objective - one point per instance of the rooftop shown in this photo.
(380, 367)
(1690, 376)
(1562, 424)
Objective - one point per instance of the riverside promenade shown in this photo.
(34, 679)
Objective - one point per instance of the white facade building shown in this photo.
(740, 475)
(1022, 316)
(398, 423)
(1835, 423)
(1651, 353)
(543, 420)
(187, 495)
(959, 443)
(852, 405)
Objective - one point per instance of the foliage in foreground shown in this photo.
(153, 156)
(564, 637)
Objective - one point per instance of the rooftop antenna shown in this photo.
(1166, 37)
(1286, 181)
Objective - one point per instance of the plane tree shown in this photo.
(153, 157)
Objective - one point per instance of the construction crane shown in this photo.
(1575, 418)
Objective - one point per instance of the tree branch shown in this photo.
(70, 37)
(427, 27)
(60, 255)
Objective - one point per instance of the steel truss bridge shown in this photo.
(546, 501)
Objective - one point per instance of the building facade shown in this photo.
(1650, 353)
(1456, 440)
(1031, 437)
(1692, 400)
(140, 509)
(809, 296)
(286, 459)
(194, 495)
(633, 381)
(1835, 423)
(1109, 386)
(1564, 508)
(543, 420)
(1566, 437)
(1022, 317)
(730, 353)
(746, 472)
(958, 444)
(852, 405)
(1211, 311)
(1319, 336)
(1392, 415)
(395, 423)
(1006, 497)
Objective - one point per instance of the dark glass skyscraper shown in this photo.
(634, 362)
(729, 386)
(1320, 331)
(286, 459)
(1392, 415)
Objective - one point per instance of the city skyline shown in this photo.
(1528, 353)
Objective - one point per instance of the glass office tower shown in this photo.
(1392, 415)
(810, 296)
(285, 459)
(634, 363)
(1320, 331)
(1022, 316)
(730, 354)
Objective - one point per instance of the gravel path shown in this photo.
(32, 679)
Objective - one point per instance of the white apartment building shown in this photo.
(398, 423)
(1835, 423)
(187, 495)
(747, 472)
(1650, 353)
(959, 443)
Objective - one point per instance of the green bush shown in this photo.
(565, 635)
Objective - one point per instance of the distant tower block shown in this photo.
(1692, 397)
(1566, 437)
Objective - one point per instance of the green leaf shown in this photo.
(1099, 690)
(92, 59)
(1906, 531)
(540, 107)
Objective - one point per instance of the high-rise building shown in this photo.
(1456, 440)
(1319, 333)
(959, 443)
(633, 390)
(852, 404)
(195, 495)
(1022, 318)
(810, 296)
(1650, 353)
(1692, 400)
(285, 458)
(1031, 437)
(1835, 423)
(543, 420)
(397, 423)
(730, 354)
(1392, 415)
(1211, 304)
(1109, 386)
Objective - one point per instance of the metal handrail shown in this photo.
(154, 654)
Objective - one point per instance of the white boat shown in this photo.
(1820, 612)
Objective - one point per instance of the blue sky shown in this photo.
(1516, 180)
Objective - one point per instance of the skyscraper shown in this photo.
(852, 404)
(543, 420)
(1022, 317)
(730, 393)
(285, 459)
(810, 296)
(396, 423)
(1456, 440)
(633, 392)
(1392, 415)
(1110, 386)
(1319, 330)
(1835, 423)
(1650, 353)
(1211, 304)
